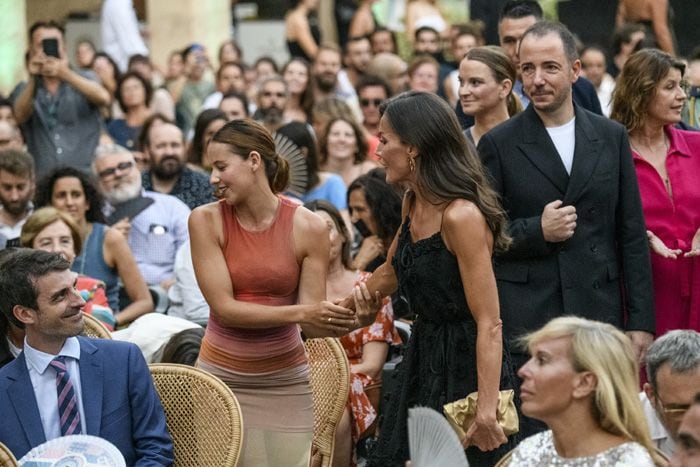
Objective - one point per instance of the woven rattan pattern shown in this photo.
(6, 457)
(202, 414)
(330, 384)
(93, 328)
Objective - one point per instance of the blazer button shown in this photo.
(596, 284)
(594, 248)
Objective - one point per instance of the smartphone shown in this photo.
(50, 47)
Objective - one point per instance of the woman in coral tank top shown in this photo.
(261, 262)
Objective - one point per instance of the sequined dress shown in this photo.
(539, 450)
(439, 365)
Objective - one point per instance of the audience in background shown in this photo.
(168, 172)
(105, 254)
(154, 224)
(297, 74)
(57, 108)
(17, 184)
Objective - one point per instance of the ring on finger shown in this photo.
(330, 319)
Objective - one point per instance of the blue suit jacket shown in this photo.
(120, 402)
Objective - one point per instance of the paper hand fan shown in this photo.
(298, 174)
(431, 440)
(74, 451)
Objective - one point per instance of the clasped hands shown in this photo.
(344, 315)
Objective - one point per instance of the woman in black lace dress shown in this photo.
(441, 264)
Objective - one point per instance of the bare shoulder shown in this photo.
(113, 237)
(462, 213)
(205, 212)
(463, 221)
(307, 223)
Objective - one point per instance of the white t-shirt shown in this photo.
(564, 139)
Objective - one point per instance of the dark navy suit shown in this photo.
(120, 402)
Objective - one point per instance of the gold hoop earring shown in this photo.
(411, 164)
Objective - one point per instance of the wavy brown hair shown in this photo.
(243, 137)
(447, 167)
(636, 85)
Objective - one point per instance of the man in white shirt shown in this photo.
(567, 184)
(673, 369)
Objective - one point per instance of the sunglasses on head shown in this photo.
(374, 102)
(122, 166)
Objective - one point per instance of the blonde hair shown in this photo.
(42, 218)
(605, 351)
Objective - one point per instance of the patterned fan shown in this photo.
(431, 440)
(298, 173)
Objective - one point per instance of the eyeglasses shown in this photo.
(673, 410)
(374, 102)
(122, 166)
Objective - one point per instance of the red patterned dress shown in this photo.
(382, 330)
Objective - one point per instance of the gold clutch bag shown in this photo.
(461, 413)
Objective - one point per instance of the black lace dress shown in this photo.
(439, 365)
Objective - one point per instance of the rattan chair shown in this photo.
(330, 384)
(203, 416)
(93, 328)
(7, 459)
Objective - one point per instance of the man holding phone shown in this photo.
(57, 108)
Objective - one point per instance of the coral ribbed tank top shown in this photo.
(263, 268)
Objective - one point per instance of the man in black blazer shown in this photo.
(569, 188)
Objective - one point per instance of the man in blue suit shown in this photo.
(100, 387)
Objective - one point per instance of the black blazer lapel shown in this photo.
(21, 394)
(91, 381)
(537, 146)
(586, 156)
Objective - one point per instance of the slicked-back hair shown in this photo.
(545, 28)
(516, 9)
(19, 271)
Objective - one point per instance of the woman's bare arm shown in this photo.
(118, 255)
(206, 238)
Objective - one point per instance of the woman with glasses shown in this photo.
(486, 78)
(648, 101)
(105, 254)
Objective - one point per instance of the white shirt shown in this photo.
(44, 384)
(658, 432)
(14, 231)
(564, 139)
(120, 32)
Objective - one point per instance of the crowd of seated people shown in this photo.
(105, 165)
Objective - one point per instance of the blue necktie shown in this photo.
(68, 412)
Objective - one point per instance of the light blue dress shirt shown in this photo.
(44, 383)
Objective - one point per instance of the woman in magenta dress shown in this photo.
(648, 100)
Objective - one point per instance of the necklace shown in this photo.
(664, 175)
